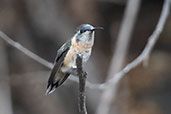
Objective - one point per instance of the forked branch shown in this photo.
(111, 85)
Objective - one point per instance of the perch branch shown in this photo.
(113, 82)
(82, 83)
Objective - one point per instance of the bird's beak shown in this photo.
(96, 28)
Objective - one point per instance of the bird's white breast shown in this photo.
(70, 58)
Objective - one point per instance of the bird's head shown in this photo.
(85, 33)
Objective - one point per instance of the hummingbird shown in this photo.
(65, 63)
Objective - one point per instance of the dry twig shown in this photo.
(82, 82)
(26, 51)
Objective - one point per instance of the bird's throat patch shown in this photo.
(81, 46)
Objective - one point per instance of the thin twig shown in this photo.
(148, 48)
(113, 82)
(26, 51)
(82, 83)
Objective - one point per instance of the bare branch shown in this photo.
(26, 51)
(152, 40)
(111, 87)
(124, 37)
(122, 46)
(82, 82)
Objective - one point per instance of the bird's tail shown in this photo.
(56, 82)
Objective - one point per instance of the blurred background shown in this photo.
(43, 26)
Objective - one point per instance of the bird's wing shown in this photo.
(58, 62)
(62, 49)
(60, 58)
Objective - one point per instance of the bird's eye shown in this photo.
(81, 31)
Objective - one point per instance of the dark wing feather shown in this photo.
(60, 82)
(58, 62)
(62, 49)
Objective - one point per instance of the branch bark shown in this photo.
(82, 83)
